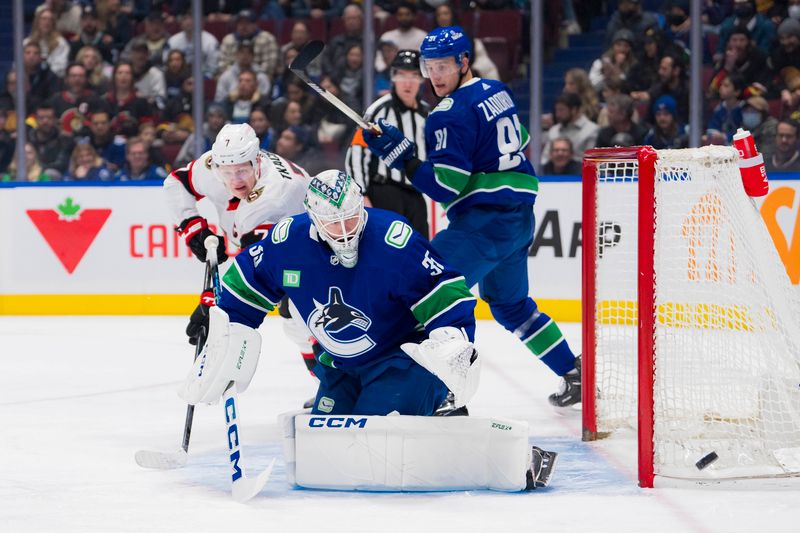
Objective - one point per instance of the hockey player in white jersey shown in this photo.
(251, 190)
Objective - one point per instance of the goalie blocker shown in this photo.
(412, 453)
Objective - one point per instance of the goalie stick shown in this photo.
(243, 487)
(309, 52)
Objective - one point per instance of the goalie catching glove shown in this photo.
(449, 355)
(230, 355)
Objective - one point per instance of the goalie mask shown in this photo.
(336, 207)
(234, 158)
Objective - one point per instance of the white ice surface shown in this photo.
(79, 396)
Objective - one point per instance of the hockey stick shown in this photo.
(309, 52)
(170, 460)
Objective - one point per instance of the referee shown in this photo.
(387, 188)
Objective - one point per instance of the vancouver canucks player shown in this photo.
(477, 169)
(371, 290)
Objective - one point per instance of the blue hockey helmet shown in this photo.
(450, 41)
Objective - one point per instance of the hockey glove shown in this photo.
(199, 318)
(449, 355)
(194, 230)
(391, 145)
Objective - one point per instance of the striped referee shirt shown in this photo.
(364, 166)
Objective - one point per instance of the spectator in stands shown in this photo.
(629, 16)
(7, 142)
(127, 108)
(8, 99)
(562, 159)
(229, 79)
(176, 71)
(616, 62)
(137, 163)
(98, 72)
(85, 164)
(793, 10)
(90, 35)
(286, 76)
(115, 24)
(215, 120)
(183, 41)
(613, 88)
(259, 121)
(42, 82)
(482, 65)
(53, 46)
(406, 36)
(52, 147)
(244, 98)
(383, 82)
(353, 21)
(155, 37)
(33, 168)
(177, 122)
(756, 118)
(295, 92)
(293, 144)
(349, 78)
(572, 124)
(265, 46)
(621, 129)
(292, 116)
(727, 116)
(76, 102)
(149, 135)
(761, 29)
(784, 62)
(317, 9)
(333, 127)
(148, 79)
(666, 131)
(672, 80)
(644, 73)
(716, 11)
(109, 146)
(678, 25)
(786, 157)
(67, 15)
(576, 81)
(299, 37)
(745, 59)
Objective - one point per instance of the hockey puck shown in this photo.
(707, 460)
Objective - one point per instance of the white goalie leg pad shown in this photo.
(408, 453)
(448, 355)
(297, 331)
(230, 354)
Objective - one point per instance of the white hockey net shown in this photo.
(727, 320)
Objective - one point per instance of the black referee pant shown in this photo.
(401, 200)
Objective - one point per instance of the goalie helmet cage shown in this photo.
(691, 327)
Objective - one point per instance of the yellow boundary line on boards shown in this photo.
(183, 304)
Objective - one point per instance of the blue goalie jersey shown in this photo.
(398, 288)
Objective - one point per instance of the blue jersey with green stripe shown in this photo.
(398, 287)
(476, 144)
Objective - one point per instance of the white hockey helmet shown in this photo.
(235, 144)
(336, 206)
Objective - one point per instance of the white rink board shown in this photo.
(136, 251)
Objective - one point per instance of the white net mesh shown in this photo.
(727, 342)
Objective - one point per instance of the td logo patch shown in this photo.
(291, 278)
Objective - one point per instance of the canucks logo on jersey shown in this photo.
(337, 317)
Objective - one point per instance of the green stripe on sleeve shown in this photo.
(443, 297)
(234, 282)
(451, 178)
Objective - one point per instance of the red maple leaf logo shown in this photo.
(69, 230)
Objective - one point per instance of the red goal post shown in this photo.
(691, 328)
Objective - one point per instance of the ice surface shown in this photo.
(79, 396)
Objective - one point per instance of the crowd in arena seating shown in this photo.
(637, 91)
(109, 83)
